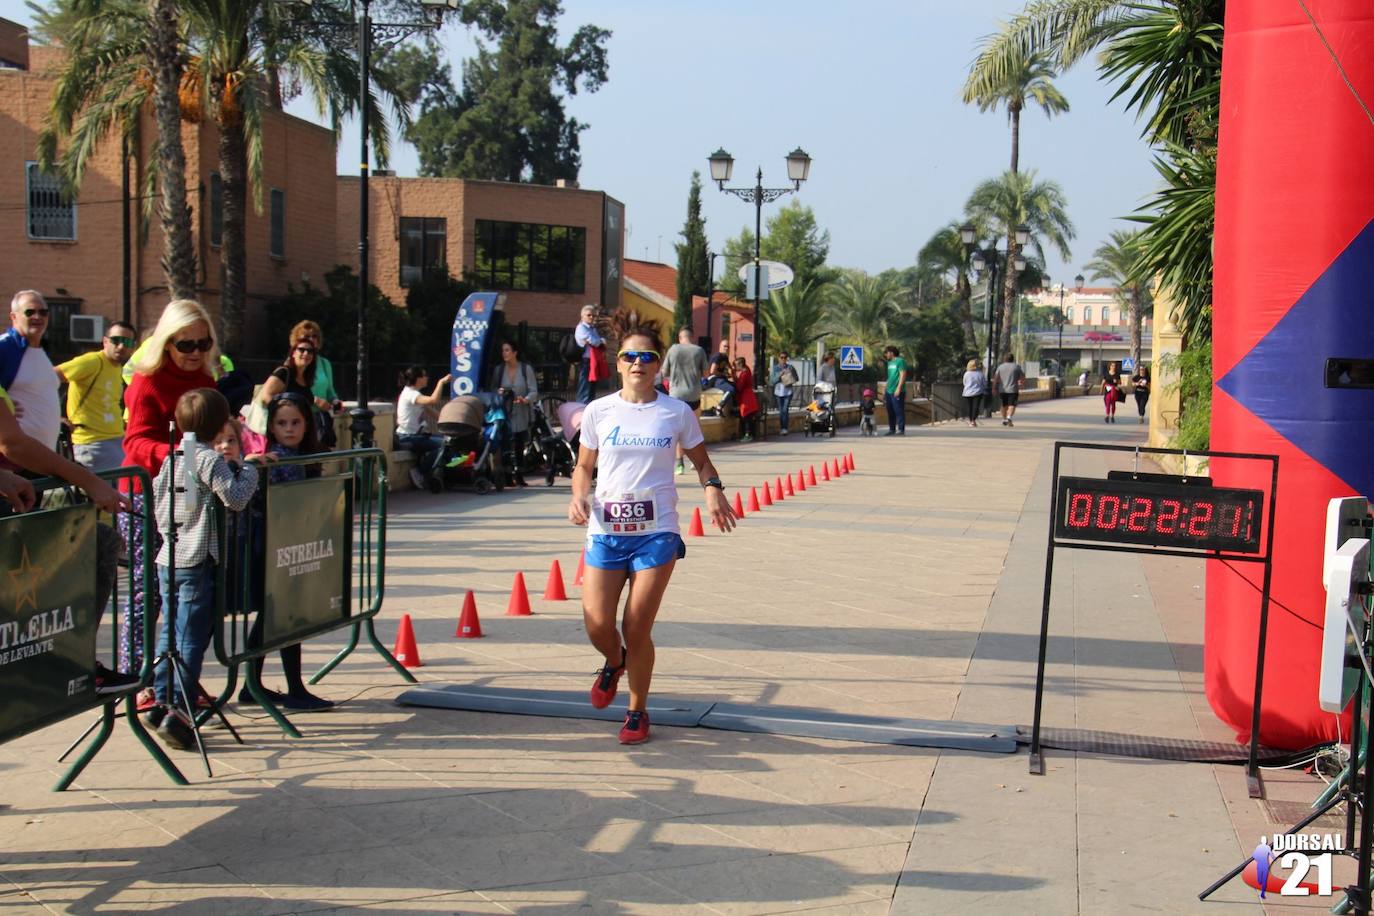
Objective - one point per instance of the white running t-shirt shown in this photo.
(636, 446)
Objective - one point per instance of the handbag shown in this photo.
(255, 417)
(1120, 395)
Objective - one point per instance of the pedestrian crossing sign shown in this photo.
(1127, 364)
(851, 358)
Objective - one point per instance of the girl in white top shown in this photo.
(630, 437)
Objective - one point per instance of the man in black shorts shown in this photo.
(1009, 379)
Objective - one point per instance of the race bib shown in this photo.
(629, 513)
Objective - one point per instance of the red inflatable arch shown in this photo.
(1294, 285)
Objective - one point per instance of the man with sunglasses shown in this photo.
(95, 388)
(25, 370)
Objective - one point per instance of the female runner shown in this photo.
(631, 437)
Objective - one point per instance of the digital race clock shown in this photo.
(1159, 510)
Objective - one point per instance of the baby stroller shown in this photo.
(866, 407)
(820, 413)
(548, 449)
(471, 454)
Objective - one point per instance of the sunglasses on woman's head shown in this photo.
(643, 357)
(190, 346)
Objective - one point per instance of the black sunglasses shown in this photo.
(190, 346)
(301, 348)
(122, 341)
(29, 313)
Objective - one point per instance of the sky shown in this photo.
(870, 89)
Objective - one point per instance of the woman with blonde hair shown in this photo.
(975, 386)
(176, 358)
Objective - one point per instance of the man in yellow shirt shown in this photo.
(94, 388)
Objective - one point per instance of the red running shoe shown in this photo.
(636, 727)
(607, 680)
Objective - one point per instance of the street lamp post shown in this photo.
(995, 264)
(710, 290)
(798, 170)
(361, 34)
(1077, 288)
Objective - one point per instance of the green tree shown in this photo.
(1017, 198)
(692, 270)
(862, 306)
(1118, 260)
(794, 316)
(932, 340)
(121, 56)
(791, 236)
(1014, 84)
(944, 254)
(507, 122)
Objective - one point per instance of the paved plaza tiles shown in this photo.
(910, 588)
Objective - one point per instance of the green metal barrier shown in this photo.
(308, 557)
(49, 622)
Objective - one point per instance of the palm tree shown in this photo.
(794, 316)
(1021, 80)
(945, 253)
(119, 55)
(1017, 198)
(861, 307)
(1118, 260)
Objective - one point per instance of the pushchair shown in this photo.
(471, 453)
(547, 449)
(820, 413)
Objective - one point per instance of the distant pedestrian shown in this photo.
(748, 401)
(894, 397)
(684, 367)
(1140, 384)
(783, 378)
(95, 392)
(1009, 378)
(975, 386)
(592, 368)
(1111, 392)
(1083, 379)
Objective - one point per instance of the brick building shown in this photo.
(75, 251)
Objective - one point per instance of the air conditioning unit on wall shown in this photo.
(87, 328)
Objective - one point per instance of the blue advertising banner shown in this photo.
(470, 328)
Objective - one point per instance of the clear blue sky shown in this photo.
(870, 89)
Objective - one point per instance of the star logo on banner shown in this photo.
(25, 580)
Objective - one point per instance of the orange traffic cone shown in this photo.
(739, 506)
(754, 500)
(469, 627)
(519, 605)
(581, 567)
(787, 486)
(811, 476)
(825, 471)
(406, 651)
(694, 530)
(777, 489)
(767, 499)
(801, 482)
(835, 463)
(553, 591)
(849, 461)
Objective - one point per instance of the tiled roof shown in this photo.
(661, 278)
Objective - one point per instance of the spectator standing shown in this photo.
(1009, 378)
(516, 382)
(95, 390)
(25, 370)
(593, 365)
(826, 372)
(782, 379)
(894, 397)
(748, 401)
(975, 384)
(326, 398)
(1140, 385)
(685, 367)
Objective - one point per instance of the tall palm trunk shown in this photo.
(1009, 294)
(1014, 114)
(178, 251)
(1137, 307)
(233, 170)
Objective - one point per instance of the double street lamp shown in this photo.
(798, 170)
(361, 33)
(1059, 319)
(995, 264)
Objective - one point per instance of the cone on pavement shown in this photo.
(801, 482)
(787, 486)
(811, 476)
(767, 499)
(469, 627)
(406, 651)
(553, 591)
(695, 530)
(849, 461)
(825, 471)
(777, 489)
(581, 567)
(519, 605)
(739, 506)
(835, 466)
(753, 505)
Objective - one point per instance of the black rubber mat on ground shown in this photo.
(772, 720)
(1151, 747)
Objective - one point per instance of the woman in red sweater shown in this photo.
(176, 359)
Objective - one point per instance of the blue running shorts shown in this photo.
(634, 552)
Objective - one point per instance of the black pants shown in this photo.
(1141, 399)
(971, 402)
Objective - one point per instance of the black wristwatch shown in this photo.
(714, 482)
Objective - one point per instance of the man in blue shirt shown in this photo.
(587, 338)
